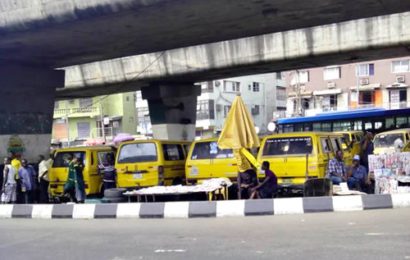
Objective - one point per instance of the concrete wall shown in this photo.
(26, 110)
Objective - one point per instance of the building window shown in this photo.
(281, 94)
(398, 66)
(226, 110)
(83, 129)
(329, 102)
(231, 86)
(256, 86)
(255, 110)
(331, 73)
(205, 110)
(56, 105)
(279, 75)
(305, 103)
(207, 87)
(398, 98)
(86, 102)
(71, 101)
(365, 70)
(300, 77)
(366, 98)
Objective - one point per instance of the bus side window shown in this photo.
(336, 145)
(326, 147)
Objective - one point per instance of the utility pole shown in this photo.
(68, 130)
(102, 123)
(298, 95)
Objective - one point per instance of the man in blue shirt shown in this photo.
(27, 176)
(357, 175)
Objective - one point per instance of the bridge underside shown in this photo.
(68, 32)
(347, 42)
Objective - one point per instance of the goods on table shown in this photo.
(206, 186)
(390, 171)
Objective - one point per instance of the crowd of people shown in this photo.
(25, 183)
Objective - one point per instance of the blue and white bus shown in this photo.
(371, 119)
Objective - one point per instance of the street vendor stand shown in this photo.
(210, 187)
(391, 172)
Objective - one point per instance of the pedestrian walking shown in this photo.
(16, 164)
(74, 185)
(108, 170)
(43, 169)
(9, 194)
(27, 176)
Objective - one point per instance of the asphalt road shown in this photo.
(379, 234)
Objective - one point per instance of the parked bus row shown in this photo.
(294, 158)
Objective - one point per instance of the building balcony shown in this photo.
(77, 112)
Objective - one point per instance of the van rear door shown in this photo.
(199, 163)
(287, 156)
(137, 164)
(223, 164)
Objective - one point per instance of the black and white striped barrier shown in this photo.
(231, 208)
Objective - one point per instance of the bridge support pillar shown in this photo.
(172, 109)
(26, 110)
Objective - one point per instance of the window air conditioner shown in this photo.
(400, 79)
(331, 85)
(364, 81)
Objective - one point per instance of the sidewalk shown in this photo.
(193, 209)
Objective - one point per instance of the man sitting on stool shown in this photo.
(357, 175)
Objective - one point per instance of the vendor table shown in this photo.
(211, 187)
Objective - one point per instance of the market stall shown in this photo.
(210, 187)
(391, 172)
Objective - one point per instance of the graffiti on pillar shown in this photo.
(16, 146)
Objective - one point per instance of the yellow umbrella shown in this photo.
(239, 134)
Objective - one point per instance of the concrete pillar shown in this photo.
(172, 108)
(26, 109)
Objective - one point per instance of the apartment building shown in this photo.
(77, 120)
(381, 83)
(264, 95)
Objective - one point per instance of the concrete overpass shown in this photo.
(57, 33)
(188, 40)
(171, 73)
(337, 43)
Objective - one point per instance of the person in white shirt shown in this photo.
(9, 194)
(43, 168)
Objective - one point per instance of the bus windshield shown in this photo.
(139, 152)
(210, 150)
(287, 146)
(389, 140)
